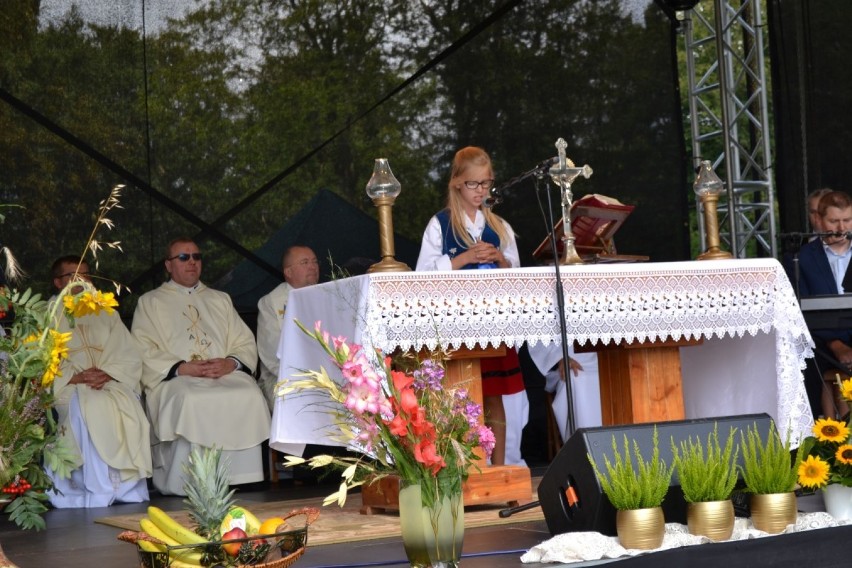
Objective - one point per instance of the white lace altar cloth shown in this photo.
(756, 340)
(587, 546)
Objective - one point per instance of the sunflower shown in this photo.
(828, 430)
(89, 302)
(813, 472)
(846, 389)
(58, 352)
(844, 454)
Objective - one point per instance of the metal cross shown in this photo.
(562, 174)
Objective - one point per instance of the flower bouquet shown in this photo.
(826, 460)
(31, 351)
(827, 455)
(407, 423)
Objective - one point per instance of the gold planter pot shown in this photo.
(641, 529)
(713, 519)
(773, 512)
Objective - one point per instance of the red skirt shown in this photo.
(502, 375)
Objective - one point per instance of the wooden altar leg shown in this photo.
(505, 484)
(641, 382)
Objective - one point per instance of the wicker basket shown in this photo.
(288, 546)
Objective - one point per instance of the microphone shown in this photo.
(540, 169)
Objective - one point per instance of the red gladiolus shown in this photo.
(398, 426)
(401, 381)
(425, 453)
(421, 427)
(407, 396)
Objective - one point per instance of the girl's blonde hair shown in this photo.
(464, 158)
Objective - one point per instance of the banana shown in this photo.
(187, 555)
(174, 563)
(148, 526)
(149, 546)
(174, 529)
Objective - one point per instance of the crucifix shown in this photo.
(563, 173)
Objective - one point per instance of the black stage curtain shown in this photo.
(809, 45)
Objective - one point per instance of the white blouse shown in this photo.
(431, 257)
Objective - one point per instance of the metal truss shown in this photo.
(729, 119)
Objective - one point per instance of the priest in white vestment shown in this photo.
(99, 410)
(199, 357)
(301, 268)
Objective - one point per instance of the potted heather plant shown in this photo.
(707, 477)
(637, 493)
(769, 473)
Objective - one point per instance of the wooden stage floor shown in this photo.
(75, 540)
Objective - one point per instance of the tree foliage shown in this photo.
(272, 101)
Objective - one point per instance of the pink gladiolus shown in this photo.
(352, 371)
(361, 399)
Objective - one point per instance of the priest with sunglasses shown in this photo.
(199, 359)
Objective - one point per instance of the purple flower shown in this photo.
(485, 437)
(429, 376)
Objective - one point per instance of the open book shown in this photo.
(594, 220)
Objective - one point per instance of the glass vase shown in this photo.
(432, 525)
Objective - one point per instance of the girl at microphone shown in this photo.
(467, 235)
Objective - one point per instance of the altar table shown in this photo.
(750, 360)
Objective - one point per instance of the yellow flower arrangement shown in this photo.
(33, 349)
(89, 302)
(827, 455)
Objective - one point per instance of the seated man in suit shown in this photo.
(824, 270)
(98, 406)
(197, 375)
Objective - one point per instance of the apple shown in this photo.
(233, 548)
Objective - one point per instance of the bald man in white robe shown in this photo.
(199, 358)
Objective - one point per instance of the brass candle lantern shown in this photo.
(707, 189)
(383, 188)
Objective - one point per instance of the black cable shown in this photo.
(148, 157)
(495, 16)
(206, 228)
(135, 180)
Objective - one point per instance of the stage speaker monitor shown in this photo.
(571, 496)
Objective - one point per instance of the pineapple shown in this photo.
(206, 487)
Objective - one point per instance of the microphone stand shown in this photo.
(537, 171)
(563, 332)
(563, 326)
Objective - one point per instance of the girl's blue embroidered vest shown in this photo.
(453, 247)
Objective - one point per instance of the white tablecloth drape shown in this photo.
(755, 338)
